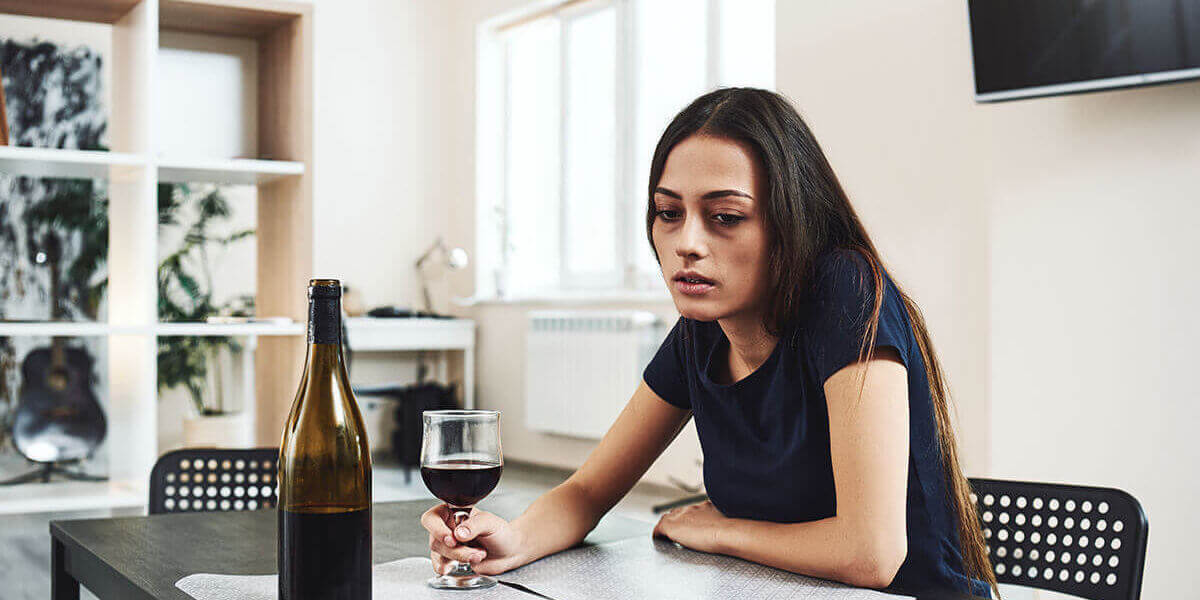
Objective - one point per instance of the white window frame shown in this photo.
(492, 199)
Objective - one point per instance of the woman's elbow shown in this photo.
(876, 562)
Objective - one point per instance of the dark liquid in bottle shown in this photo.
(329, 555)
(461, 482)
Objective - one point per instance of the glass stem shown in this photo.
(460, 569)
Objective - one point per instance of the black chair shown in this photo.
(213, 479)
(1085, 541)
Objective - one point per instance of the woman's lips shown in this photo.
(693, 288)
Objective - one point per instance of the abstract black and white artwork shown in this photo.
(51, 230)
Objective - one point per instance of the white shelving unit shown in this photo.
(282, 31)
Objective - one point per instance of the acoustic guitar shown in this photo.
(58, 418)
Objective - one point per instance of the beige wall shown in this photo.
(886, 90)
(1051, 243)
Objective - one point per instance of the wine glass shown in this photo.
(461, 463)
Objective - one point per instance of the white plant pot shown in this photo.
(233, 430)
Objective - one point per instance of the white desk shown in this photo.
(415, 334)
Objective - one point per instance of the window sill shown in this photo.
(571, 298)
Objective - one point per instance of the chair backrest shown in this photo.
(1085, 541)
(207, 479)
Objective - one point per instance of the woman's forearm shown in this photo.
(828, 548)
(557, 520)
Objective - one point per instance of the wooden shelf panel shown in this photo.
(96, 11)
(55, 162)
(244, 18)
(236, 171)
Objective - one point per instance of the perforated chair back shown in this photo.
(1085, 541)
(212, 479)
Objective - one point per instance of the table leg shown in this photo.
(62, 585)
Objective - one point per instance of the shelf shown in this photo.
(47, 329)
(67, 496)
(236, 171)
(79, 164)
(97, 11)
(92, 164)
(248, 18)
(229, 329)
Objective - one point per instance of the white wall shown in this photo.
(1051, 243)
(385, 164)
(1095, 201)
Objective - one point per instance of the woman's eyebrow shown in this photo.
(708, 196)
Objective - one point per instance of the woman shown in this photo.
(821, 408)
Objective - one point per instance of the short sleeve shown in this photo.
(842, 295)
(667, 372)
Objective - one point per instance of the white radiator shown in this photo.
(581, 367)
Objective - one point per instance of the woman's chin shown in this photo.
(696, 310)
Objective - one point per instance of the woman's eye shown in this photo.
(668, 215)
(728, 218)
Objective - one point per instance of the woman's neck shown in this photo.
(749, 344)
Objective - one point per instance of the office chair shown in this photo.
(1085, 541)
(212, 479)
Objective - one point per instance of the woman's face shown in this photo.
(709, 230)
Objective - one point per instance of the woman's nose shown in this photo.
(693, 240)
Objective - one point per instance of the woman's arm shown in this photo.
(563, 516)
(865, 543)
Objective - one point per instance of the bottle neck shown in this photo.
(324, 321)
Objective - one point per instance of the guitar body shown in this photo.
(58, 418)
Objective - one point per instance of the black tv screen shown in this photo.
(1026, 48)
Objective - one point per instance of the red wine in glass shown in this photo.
(462, 482)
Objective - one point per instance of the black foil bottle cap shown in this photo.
(324, 311)
(324, 288)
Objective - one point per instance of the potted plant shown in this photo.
(205, 366)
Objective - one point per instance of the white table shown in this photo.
(369, 334)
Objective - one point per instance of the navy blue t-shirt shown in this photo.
(765, 437)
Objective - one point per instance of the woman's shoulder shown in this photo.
(841, 275)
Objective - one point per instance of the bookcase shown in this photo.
(133, 168)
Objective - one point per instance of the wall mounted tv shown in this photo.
(1028, 48)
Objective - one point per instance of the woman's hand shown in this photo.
(697, 526)
(484, 540)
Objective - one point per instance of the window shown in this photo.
(572, 97)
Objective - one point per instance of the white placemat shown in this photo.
(404, 578)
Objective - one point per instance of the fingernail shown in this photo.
(462, 531)
(478, 556)
(449, 540)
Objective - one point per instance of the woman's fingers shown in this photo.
(434, 521)
(440, 564)
(493, 566)
(481, 523)
(459, 553)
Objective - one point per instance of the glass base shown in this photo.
(464, 582)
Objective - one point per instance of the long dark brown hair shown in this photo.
(807, 214)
